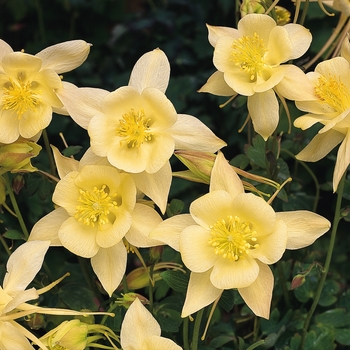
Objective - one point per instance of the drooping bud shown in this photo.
(127, 299)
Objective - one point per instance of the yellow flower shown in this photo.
(332, 109)
(249, 62)
(97, 210)
(28, 86)
(230, 239)
(148, 332)
(136, 126)
(22, 266)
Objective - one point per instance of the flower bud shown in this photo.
(283, 15)
(15, 157)
(2, 190)
(17, 183)
(127, 299)
(251, 6)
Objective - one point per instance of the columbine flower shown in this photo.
(28, 86)
(22, 266)
(137, 128)
(148, 332)
(249, 62)
(332, 109)
(230, 238)
(97, 209)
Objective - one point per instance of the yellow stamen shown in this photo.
(95, 206)
(134, 128)
(332, 91)
(233, 239)
(248, 54)
(20, 97)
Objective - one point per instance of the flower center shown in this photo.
(232, 239)
(333, 92)
(20, 97)
(248, 53)
(134, 128)
(95, 206)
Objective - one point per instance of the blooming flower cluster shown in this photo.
(114, 200)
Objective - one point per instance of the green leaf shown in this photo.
(220, 340)
(342, 336)
(240, 161)
(256, 152)
(14, 234)
(227, 300)
(334, 318)
(176, 280)
(175, 207)
(71, 151)
(77, 297)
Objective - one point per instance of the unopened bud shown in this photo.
(17, 183)
(127, 299)
(297, 281)
(251, 6)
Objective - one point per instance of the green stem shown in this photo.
(185, 326)
(150, 289)
(15, 205)
(49, 153)
(3, 242)
(337, 218)
(255, 345)
(196, 328)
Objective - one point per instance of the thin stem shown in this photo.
(336, 219)
(3, 242)
(15, 205)
(196, 328)
(150, 289)
(185, 326)
(49, 153)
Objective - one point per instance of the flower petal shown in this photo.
(64, 164)
(223, 177)
(264, 111)
(259, 294)
(216, 32)
(343, 161)
(137, 318)
(48, 226)
(217, 85)
(109, 264)
(200, 293)
(23, 264)
(12, 338)
(168, 231)
(303, 227)
(66, 56)
(300, 37)
(5, 49)
(159, 343)
(151, 70)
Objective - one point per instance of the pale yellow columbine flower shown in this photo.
(249, 62)
(96, 211)
(140, 330)
(136, 126)
(22, 266)
(229, 239)
(28, 86)
(331, 80)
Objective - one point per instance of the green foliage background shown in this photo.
(121, 31)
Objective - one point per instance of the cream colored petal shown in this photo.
(137, 318)
(19, 299)
(217, 85)
(10, 133)
(89, 158)
(272, 246)
(295, 85)
(307, 120)
(256, 23)
(66, 56)
(156, 186)
(264, 110)
(168, 231)
(23, 264)
(200, 293)
(303, 227)
(259, 294)
(47, 227)
(343, 161)
(279, 46)
(191, 134)
(13, 339)
(211, 207)
(144, 220)
(159, 343)
(5, 49)
(151, 70)
(78, 238)
(320, 146)
(300, 37)
(29, 63)
(270, 77)
(109, 264)
(239, 81)
(32, 122)
(196, 252)
(228, 274)
(223, 177)
(341, 121)
(337, 66)
(81, 103)
(64, 164)
(216, 32)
